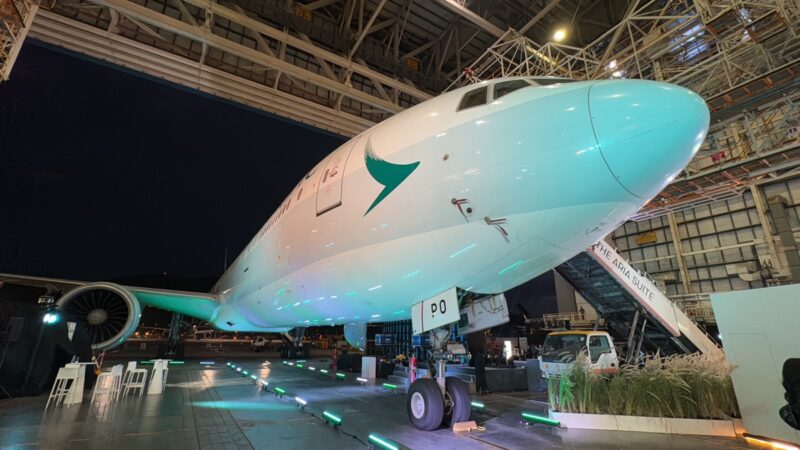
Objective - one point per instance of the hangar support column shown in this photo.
(777, 207)
(676, 241)
(761, 209)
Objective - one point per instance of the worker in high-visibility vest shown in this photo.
(412, 369)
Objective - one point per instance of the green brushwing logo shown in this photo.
(387, 174)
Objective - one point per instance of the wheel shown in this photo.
(425, 404)
(457, 402)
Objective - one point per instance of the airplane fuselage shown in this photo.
(484, 199)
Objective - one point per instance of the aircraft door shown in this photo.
(329, 190)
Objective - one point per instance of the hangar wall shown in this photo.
(718, 242)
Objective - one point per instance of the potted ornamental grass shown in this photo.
(685, 394)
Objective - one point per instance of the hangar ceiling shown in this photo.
(340, 65)
(344, 65)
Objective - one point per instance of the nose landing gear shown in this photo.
(425, 404)
(431, 403)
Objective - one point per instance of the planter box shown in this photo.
(646, 424)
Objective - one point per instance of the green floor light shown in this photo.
(332, 418)
(245, 373)
(539, 419)
(253, 377)
(300, 366)
(280, 391)
(340, 376)
(477, 405)
(389, 386)
(383, 442)
(325, 371)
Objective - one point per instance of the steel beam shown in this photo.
(366, 29)
(676, 242)
(283, 36)
(543, 12)
(207, 37)
(466, 13)
(97, 43)
(16, 37)
(766, 227)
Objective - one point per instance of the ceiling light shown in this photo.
(560, 34)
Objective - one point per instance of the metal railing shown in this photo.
(573, 319)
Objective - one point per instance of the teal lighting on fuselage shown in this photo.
(511, 267)
(465, 249)
(411, 274)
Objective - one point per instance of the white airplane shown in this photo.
(479, 189)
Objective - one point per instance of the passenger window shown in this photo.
(473, 98)
(507, 87)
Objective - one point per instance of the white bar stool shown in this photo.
(135, 379)
(108, 383)
(158, 381)
(66, 380)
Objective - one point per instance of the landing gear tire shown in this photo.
(457, 402)
(425, 405)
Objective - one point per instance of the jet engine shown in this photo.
(108, 312)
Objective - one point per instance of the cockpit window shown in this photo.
(507, 87)
(549, 81)
(473, 98)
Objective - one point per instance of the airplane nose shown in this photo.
(647, 131)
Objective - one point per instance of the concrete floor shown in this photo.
(213, 407)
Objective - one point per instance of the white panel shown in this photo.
(435, 312)
(721, 285)
(723, 223)
(740, 219)
(718, 272)
(706, 227)
(728, 238)
(719, 208)
(758, 344)
(702, 211)
(736, 203)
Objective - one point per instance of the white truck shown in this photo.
(561, 349)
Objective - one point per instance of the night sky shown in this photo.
(105, 173)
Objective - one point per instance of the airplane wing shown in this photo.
(195, 304)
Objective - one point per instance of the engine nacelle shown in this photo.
(108, 312)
